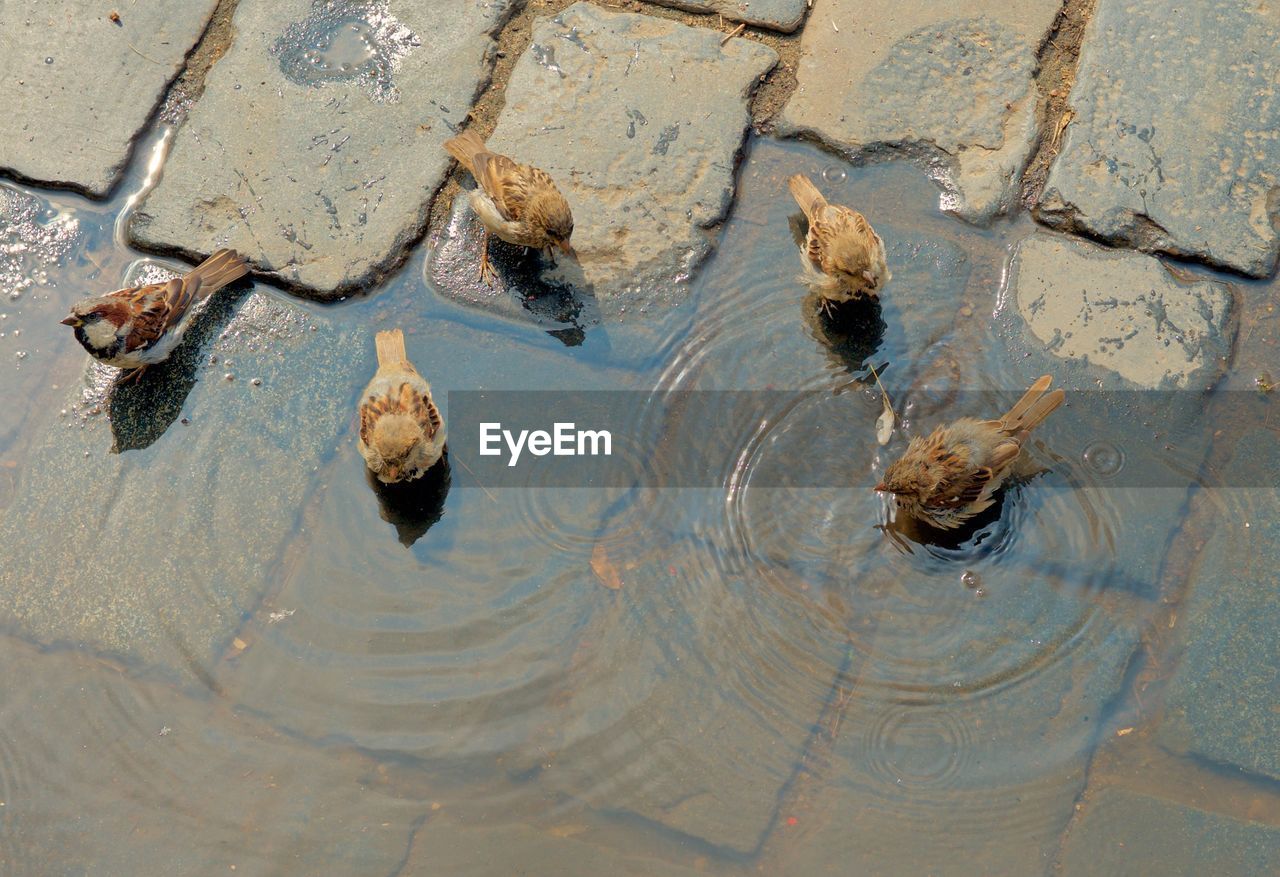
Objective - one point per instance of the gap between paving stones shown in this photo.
(1056, 63)
(189, 85)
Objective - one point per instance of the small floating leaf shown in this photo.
(884, 423)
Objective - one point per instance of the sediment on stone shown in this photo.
(1057, 60)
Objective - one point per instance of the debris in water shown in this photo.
(606, 572)
(884, 423)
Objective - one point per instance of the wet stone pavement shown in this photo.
(229, 649)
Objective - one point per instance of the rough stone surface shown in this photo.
(1173, 146)
(783, 15)
(1221, 701)
(865, 65)
(317, 144)
(131, 573)
(645, 156)
(78, 89)
(143, 779)
(1124, 312)
(1123, 832)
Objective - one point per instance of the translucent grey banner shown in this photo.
(827, 438)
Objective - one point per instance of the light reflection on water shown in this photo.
(769, 646)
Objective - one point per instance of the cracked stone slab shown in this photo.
(107, 468)
(864, 65)
(1124, 832)
(316, 146)
(1125, 312)
(1221, 700)
(72, 125)
(645, 156)
(1173, 146)
(780, 15)
(106, 774)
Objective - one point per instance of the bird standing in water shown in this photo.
(401, 431)
(141, 325)
(843, 257)
(947, 477)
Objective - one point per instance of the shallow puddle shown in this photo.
(761, 669)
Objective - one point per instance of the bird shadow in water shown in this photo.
(142, 410)
(976, 537)
(851, 331)
(521, 272)
(413, 507)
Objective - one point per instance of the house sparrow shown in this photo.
(140, 326)
(843, 256)
(948, 477)
(517, 202)
(401, 433)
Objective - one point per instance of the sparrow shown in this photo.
(141, 325)
(843, 257)
(949, 476)
(401, 432)
(517, 202)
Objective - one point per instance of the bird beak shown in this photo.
(880, 488)
(72, 320)
(393, 472)
(567, 248)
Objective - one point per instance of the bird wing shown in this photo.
(155, 308)
(508, 183)
(962, 491)
(841, 230)
(401, 400)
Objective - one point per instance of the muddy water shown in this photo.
(786, 678)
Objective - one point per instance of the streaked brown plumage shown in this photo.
(950, 475)
(843, 256)
(517, 202)
(141, 325)
(401, 432)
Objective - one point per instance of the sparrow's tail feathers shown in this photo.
(390, 344)
(806, 195)
(215, 272)
(465, 147)
(1035, 405)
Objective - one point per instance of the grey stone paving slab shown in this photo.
(974, 782)
(568, 848)
(783, 15)
(1221, 701)
(1173, 145)
(879, 73)
(315, 148)
(639, 120)
(713, 683)
(131, 573)
(1123, 832)
(1124, 312)
(105, 774)
(78, 88)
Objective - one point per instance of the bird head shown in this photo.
(552, 214)
(395, 437)
(97, 322)
(899, 481)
